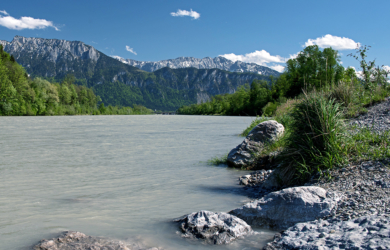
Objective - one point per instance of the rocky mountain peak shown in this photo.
(204, 63)
(52, 49)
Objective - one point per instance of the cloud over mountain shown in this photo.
(24, 22)
(131, 50)
(261, 57)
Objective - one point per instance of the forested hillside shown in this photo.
(121, 84)
(21, 95)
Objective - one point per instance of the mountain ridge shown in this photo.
(219, 62)
(122, 84)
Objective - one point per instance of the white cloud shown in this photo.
(131, 50)
(338, 43)
(277, 67)
(24, 22)
(191, 13)
(117, 57)
(259, 57)
(294, 56)
(387, 68)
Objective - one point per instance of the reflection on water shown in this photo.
(115, 176)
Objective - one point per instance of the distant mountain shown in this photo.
(122, 84)
(205, 63)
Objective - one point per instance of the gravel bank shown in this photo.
(377, 118)
(361, 220)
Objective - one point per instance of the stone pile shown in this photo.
(255, 178)
(377, 118)
(365, 189)
(367, 232)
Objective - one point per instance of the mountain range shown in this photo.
(204, 63)
(119, 83)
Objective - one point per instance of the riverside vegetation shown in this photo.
(337, 139)
(317, 138)
(21, 95)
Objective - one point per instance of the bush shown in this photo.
(317, 140)
(270, 108)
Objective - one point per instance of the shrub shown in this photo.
(317, 140)
(270, 108)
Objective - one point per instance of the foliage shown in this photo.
(317, 139)
(120, 84)
(370, 145)
(218, 160)
(21, 95)
(247, 100)
(311, 69)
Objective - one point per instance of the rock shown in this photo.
(213, 228)
(367, 232)
(71, 240)
(282, 209)
(263, 133)
(272, 182)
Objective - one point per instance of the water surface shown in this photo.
(115, 176)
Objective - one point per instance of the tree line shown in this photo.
(313, 68)
(21, 95)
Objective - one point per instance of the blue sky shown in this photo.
(264, 32)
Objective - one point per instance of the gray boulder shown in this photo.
(213, 228)
(265, 132)
(79, 241)
(282, 209)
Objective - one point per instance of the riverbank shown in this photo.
(361, 218)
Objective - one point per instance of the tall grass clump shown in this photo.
(317, 140)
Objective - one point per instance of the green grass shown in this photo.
(317, 139)
(218, 160)
(369, 145)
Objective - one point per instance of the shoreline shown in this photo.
(364, 188)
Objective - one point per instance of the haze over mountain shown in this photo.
(118, 83)
(204, 63)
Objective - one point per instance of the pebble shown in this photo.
(361, 219)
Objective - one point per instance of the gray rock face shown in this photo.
(204, 63)
(52, 49)
(71, 240)
(282, 209)
(265, 132)
(367, 232)
(213, 228)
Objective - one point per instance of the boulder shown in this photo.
(213, 228)
(282, 209)
(265, 132)
(79, 241)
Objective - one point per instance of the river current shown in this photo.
(119, 177)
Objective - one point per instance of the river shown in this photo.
(116, 176)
